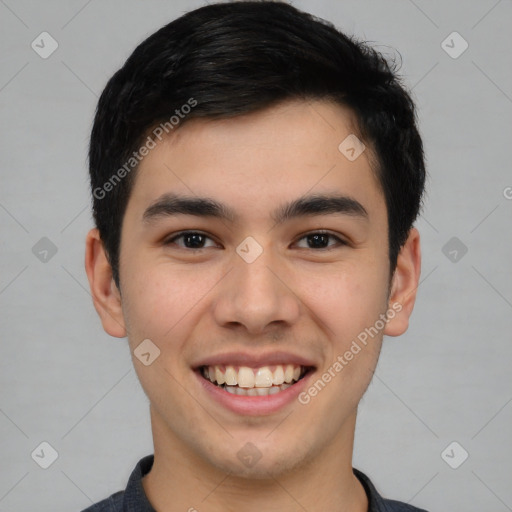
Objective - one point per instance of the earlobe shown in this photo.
(404, 285)
(105, 295)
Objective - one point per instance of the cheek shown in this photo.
(348, 300)
(348, 305)
(161, 300)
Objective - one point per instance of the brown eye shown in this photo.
(320, 240)
(191, 240)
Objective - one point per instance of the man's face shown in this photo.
(283, 297)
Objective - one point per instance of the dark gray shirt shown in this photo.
(134, 499)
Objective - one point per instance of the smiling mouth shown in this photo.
(262, 381)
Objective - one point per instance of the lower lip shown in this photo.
(254, 405)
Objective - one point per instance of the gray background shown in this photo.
(66, 382)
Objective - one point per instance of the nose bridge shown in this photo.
(254, 293)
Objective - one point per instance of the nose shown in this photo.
(258, 296)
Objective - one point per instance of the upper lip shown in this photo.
(254, 360)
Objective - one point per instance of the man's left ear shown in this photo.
(404, 285)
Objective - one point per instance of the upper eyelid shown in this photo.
(339, 238)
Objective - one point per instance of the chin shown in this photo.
(266, 464)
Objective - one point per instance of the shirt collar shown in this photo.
(135, 499)
(375, 501)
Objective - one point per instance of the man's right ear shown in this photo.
(105, 294)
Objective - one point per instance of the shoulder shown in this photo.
(113, 503)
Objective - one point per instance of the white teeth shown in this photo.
(219, 376)
(263, 378)
(278, 377)
(235, 390)
(245, 378)
(230, 376)
(288, 373)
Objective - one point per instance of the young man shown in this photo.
(255, 177)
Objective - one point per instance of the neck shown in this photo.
(180, 480)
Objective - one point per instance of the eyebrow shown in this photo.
(169, 205)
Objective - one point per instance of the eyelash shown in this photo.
(319, 232)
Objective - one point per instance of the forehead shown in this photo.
(253, 162)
